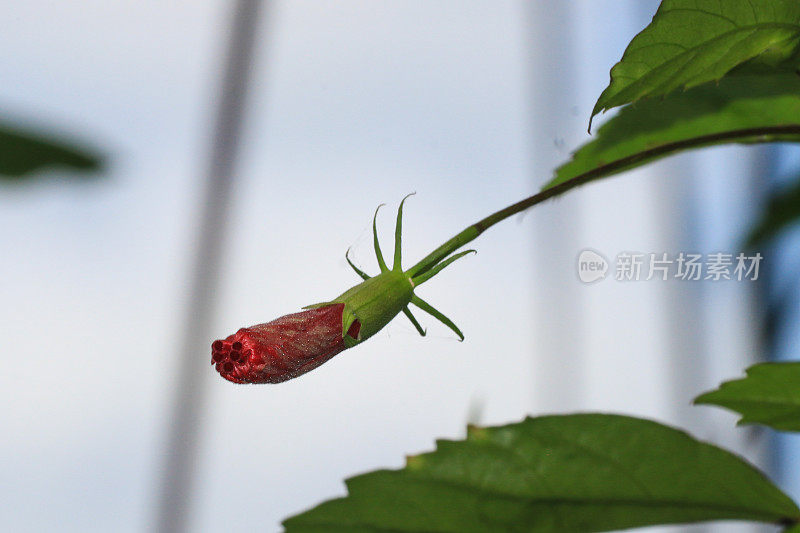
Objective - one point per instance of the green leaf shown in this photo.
(744, 109)
(691, 42)
(22, 153)
(769, 395)
(587, 472)
(781, 212)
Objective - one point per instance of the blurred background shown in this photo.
(243, 155)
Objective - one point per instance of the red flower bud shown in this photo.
(284, 348)
(295, 344)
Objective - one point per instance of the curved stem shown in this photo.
(473, 231)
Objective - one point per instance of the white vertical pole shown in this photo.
(181, 448)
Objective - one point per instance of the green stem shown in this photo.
(619, 165)
(472, 232)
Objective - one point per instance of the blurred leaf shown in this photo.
(587, 472)
(782, 210)
(742, 109)
(777, 310)
(22, 153)
(691, 42)
(769, 395)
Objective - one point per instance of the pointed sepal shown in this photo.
(422, 278)
(363, 275)
(376, 244)
(413, 320)
(398, 233)
(428, 308)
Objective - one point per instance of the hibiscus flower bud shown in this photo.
(295, 344)
(284, 348)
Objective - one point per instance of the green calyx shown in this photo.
(377, 300)
(374, 303)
